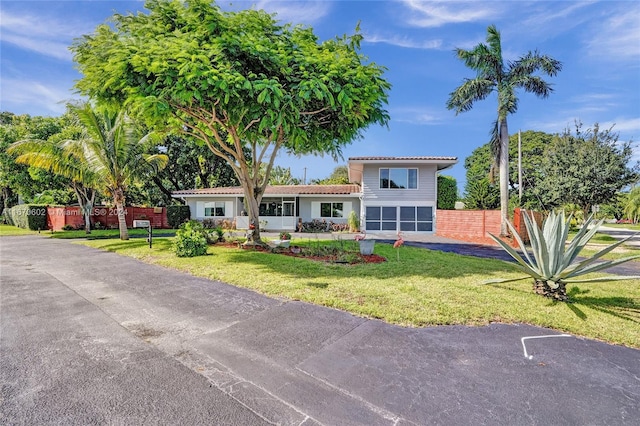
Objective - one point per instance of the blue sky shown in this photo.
(598, 43)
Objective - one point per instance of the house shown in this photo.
(389, 194)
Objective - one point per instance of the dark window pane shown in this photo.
(389, 226)
(398, 178)
(336, 211)
(384, 178)
(413, 178)
(373, 213)
(219, 211)
(425, 213)
(373, 226)
(325, 209)
(389, 213)
(425, 226)
(407, 213)
(407, 226)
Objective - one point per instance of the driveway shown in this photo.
(91, 337)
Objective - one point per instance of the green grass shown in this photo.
(423, 288)
(634, 227)
(8, 230)
(100, 234)
(598, 238)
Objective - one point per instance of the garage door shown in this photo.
(402, 218)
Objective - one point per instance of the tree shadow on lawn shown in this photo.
(625, 308)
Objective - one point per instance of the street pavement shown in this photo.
(90, 337)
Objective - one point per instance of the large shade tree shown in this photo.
(235, 80)
(586, 168)
(503, 79)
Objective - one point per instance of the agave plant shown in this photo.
(552, 262)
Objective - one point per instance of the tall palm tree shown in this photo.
(115, 150)
(493, 75)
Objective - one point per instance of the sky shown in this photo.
(598, 43)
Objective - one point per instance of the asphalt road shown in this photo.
(89, 337)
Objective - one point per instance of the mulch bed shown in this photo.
(303, 252)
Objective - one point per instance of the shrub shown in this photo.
(177, 215)
(482, 195)
(447, 192)
(68, 227)
(27, 216)
(353, 221)
(190, 240)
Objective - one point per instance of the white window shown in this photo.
(215, 209)
(331, 210)
(398, 178)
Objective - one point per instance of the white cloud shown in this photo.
(34, 95)
(438, 13)
(416, 115)
(400, 41)
(307, 12)
(42, 34)
(618, 37)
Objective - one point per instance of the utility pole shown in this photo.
(304, 179)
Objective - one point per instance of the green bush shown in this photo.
(177, 215)
(447, 192)
(482, 195)
(190, 240)
(27, 216)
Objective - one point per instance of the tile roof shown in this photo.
(431, 158)
(277, 190)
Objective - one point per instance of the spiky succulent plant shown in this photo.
(553, 263)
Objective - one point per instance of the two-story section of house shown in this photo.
(389, 194)
(398, 193)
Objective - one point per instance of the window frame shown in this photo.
(389, 180)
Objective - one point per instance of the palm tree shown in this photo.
(632, 205)
(493, 75)
(60, 158)
(115, 150)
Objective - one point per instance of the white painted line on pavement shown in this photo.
(539, 337)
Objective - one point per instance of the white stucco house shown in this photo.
(389, 194)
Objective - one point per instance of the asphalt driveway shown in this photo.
(91, 337)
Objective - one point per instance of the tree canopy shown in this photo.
(235, 80)
(339, 176)
(585, 167)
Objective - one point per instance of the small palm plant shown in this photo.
(552, 263)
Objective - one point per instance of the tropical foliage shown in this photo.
(447, 192)
(481, 195)
(632, 205)
(553, 263)
(191, 240)
(586, 167)
(235, 81)
(503, 79)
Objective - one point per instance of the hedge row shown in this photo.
(27, 216)
(177, 215)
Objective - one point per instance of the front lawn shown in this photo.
(423, 288)
(9, 230)
(101, 234)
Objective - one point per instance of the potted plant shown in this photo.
(366, 246)
(284, 241)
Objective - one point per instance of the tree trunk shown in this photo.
(542, 288)
(118, 199)
(85, 201)
(504, 177)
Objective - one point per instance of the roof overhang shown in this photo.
(356, 164)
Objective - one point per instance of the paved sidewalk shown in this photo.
(91, 337)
